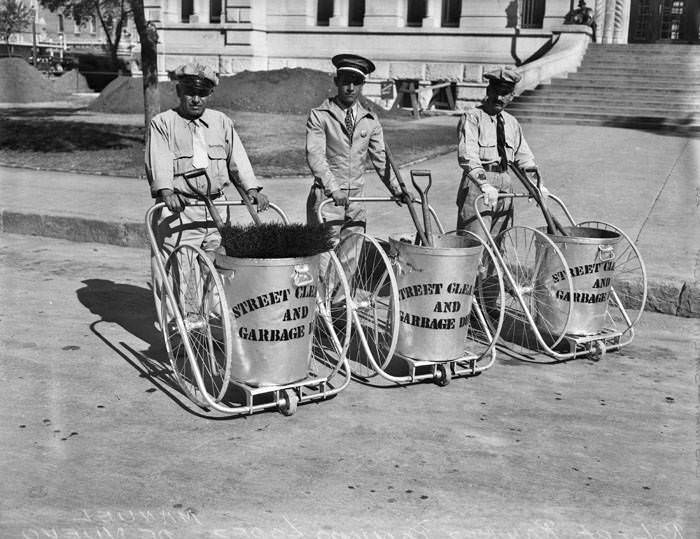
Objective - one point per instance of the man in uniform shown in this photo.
(184, 139)
(488, 139)
(341, 135)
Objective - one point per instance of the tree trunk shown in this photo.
(149, 61)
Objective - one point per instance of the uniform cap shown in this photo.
(196, 73)
(353, 62)
(503, 77)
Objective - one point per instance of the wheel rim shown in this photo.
(628, 294)
(332, 326)
(201, 306)
(374, 294)
(527, 324)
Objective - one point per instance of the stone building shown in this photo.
(422, 42)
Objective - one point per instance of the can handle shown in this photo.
(606, 252)
(302, 275)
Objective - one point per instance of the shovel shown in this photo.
(423, 192)
(205, 197)
(218, 222)
(411, 209)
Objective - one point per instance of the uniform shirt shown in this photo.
(333, 160)
(477, 142)
(169, 152)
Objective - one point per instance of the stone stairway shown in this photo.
(644, 86)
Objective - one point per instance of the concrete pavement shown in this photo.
(646, 183)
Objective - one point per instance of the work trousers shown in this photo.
(192, 226)
(495, 219)
(342, 222)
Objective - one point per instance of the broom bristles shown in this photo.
(275, 240)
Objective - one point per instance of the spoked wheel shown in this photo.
(333, 324)
(375, 300)
(197, 314)
(484, 326)
(628, 294)
(537, 290)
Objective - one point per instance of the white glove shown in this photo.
(490, 194)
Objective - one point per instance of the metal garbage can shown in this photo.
(590, 257)
(272, 304)
(436, 287)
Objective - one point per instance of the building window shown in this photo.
(356, 13)
(60, 23)
(324, 12)
(532, 14)
(186, 9)
(92, 25)
(451, 13)
(215, 11)
(415, 13)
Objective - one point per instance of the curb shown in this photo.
(666, 295)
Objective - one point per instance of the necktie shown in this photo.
(200, 154)
(349, 123)
(501, 142)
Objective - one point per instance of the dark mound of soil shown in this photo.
(22, 83)
(71, 82)
(283, 91)
(124, 95)
(289, 90)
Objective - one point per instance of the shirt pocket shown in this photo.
(217, 152)
(182, 160)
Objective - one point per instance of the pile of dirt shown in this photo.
(285, 91)
(289, 90)
(71, 82)
(23, 83)
(124, 95)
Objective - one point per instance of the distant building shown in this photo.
(415, 41)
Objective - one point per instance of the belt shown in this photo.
(212, 196)
(494, 167)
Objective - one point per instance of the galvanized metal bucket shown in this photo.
(272, 304)
(590, 257)
(436, 287)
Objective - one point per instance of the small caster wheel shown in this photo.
(598, 350)
(442, 375)
(288, 403)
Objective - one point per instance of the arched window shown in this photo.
(356, 13)
(415, 12)
(324, 12)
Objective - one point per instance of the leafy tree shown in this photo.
(112, 14)
(14, 17)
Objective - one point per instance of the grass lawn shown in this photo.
(103, 144)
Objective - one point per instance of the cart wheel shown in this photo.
(484, 328)
(197, 313)
(598, 350)
(442, 374)
(375, 301)
(332, 327)
(529, 259)
(628, 295)
(288, 403)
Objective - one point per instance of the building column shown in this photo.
(433, 14)
(200, 11)
(340, 13)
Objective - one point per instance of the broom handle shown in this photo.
(411, 209)
(246, 200)
(216, 217)
(553, 226)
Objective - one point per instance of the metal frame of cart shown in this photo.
(201, 359)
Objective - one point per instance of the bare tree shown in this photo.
(14, 17)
